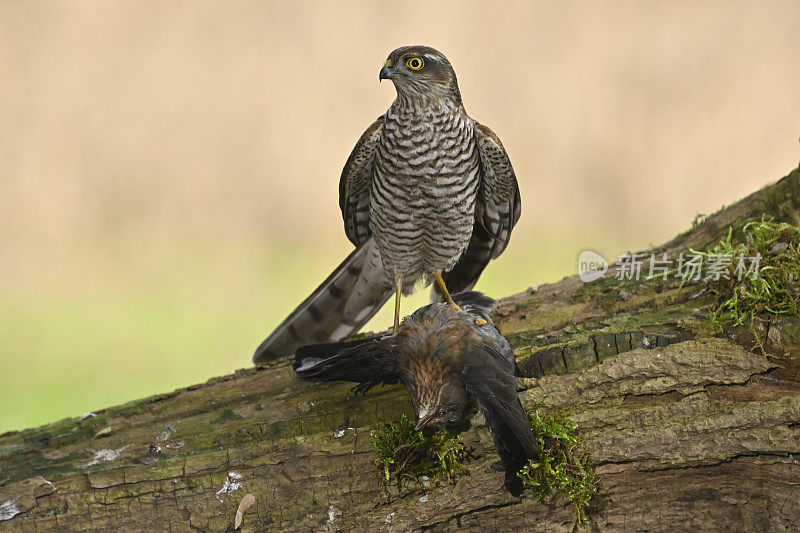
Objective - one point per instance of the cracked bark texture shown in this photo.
(690, 428)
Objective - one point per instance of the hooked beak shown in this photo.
(422, 422)
(386, 72)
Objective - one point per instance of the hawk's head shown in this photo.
(421, 72)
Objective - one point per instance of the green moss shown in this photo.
(563, 464)
(773, 290)
(605, 291)
(404, 455)
(227, 414)
(528, 305)
(782, 200)
(613, 295)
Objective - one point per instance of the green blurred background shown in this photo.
(170, 170)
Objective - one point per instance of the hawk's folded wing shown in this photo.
(356, 183)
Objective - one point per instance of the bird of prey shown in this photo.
(446, 358)
(427, 194)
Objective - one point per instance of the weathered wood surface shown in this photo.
(690, 429)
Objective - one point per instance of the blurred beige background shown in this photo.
(170, 169)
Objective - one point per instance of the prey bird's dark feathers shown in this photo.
(366, 361)
(445, 358)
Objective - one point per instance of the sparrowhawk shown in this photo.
(427, 193)
(444, 357)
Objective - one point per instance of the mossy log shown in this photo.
(690, 427)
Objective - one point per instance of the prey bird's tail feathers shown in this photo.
(488, 378)
(370, 361)
(340, 306)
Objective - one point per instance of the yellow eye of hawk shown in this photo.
(415, 63)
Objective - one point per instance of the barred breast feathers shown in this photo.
(425, 189)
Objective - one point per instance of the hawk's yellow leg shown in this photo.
(443, 288)
(397, 295)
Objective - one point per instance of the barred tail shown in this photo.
(340, 306)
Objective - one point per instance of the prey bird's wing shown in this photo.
(497, 211)
(356, 183)
(370, 361)
(488, 377)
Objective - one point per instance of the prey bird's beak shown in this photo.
(422, 422)
(386, 72)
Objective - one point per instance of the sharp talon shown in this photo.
(480, 321)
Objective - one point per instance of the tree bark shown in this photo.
(689, 428)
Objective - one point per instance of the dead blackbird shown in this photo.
(445, 357)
